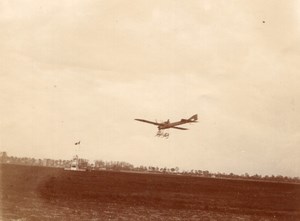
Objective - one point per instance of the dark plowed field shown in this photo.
(40, 193)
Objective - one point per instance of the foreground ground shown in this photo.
(40, 193)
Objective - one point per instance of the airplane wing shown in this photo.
(149, 122)
(180, 128)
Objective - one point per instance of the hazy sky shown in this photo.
(83, 70)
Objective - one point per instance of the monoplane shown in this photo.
(168, 125)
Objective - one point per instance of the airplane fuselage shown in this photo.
(167, 125)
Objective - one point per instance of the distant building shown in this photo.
(74, 163)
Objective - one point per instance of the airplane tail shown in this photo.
(193, 118)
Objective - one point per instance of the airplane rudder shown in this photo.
(194, 117)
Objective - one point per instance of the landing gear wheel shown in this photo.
(166, 135)
(159, 133)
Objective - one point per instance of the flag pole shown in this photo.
(77, 150)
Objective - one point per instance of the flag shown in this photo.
(77, 143)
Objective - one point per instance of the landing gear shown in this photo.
(160, 133)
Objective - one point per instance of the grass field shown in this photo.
(41, 193)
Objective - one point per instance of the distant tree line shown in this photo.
(124, 166)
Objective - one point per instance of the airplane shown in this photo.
(167, 125)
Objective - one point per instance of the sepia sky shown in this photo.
(75, 70)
